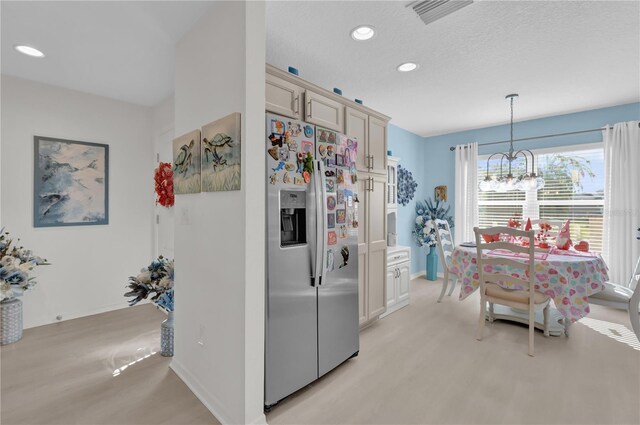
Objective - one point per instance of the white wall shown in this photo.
(219, 237)
(90, 264)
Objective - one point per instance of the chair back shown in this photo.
(482, 261)
(445, 241)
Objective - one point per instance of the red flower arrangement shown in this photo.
(163, 177)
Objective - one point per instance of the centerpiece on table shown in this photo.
(156, 283)
(424, 230)
(16, 266)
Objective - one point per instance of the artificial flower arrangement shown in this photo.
(424, 229)
(156, 281)
(163, 178)
(16, 264)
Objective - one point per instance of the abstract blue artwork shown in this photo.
(71, 183)
(406, 186)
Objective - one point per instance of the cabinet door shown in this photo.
(392, 184)
(324, 111)
(404, 280)
(357, 126)
(377, 236)
(391, 286)
(377, 145)
(362, 283)
(361, 211)
(283, 97)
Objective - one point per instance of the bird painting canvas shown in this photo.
(71, 183)
(221, 154)
(186, 163)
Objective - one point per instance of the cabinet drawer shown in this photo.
(397, 257)
(323, 111)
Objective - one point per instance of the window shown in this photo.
(574, 189)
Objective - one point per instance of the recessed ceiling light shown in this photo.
(29, 51)
(407, 66)
(363, 32)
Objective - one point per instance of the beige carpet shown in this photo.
(421, 364)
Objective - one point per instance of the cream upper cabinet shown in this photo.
(377, 146)
(283, 97)
(322, 111)
(357, 127)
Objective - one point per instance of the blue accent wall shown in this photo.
(432, 163)
(410, 148)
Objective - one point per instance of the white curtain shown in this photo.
(466, 190)
(621, 199)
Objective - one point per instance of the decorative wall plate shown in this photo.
(406, 186)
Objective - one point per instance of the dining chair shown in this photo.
(491, 291)
(445, 247)
(623, 298)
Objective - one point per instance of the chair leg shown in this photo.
(491, 312)
(481, 319)
(532, 328)
(545, 313)
(566, 322)
(453, 285)
(634, 318)
(445, 282)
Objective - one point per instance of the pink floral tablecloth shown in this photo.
(568, 280)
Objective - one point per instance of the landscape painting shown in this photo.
(221, 154)
(186, 163)
(71, 183)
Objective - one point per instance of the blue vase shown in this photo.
(432, 264)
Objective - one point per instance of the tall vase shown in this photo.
(166, 336)
(10, 321)
(432, 264)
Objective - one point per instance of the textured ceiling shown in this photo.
(123, 50)
(560, 56)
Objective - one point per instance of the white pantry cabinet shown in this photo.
(398, 278)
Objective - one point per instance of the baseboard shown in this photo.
(417, 275)
(420, 274)
(209, 401)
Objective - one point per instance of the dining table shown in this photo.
(567, 277)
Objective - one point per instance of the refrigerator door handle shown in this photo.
(319, 244)
(325, 224)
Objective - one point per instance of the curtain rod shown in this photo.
(453, 148)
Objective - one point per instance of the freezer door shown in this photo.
(291, 295)
(338, 327)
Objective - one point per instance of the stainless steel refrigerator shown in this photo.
(312, 254)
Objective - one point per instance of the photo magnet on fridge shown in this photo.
(331, 220)
(277, 127)
(341, 216)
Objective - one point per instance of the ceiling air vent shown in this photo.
(432, 10)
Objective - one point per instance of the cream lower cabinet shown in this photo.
(372, 246)
(398, 278)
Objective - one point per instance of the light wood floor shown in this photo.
(64, 374)
(421, 364)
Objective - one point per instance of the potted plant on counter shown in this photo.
(156, 283)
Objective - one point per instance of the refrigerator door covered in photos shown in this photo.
(291, 298)
(338, 328)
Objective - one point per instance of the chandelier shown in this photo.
(506, 182)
